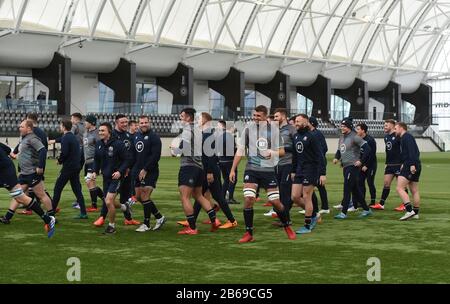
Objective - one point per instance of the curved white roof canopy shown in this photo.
(366, 38)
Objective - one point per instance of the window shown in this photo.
(441, 103)
(146, 98)
(304, 105)
(216, 104)
(408, 112)
(106, 99)
(249, 102)
(340, 108)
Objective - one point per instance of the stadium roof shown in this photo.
(387, 34)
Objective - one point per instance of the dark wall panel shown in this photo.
(122, 81)
(320, 93)
(56, 76)
(180, 84)
(277, 90)
(391, 98)
(422, 98)
(232, 87)
(358, 96)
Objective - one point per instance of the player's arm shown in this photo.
(337, 156)
(64, 151)
(413, 154)
(97, 160)
(236, 160)
(323, 143)
(124, 157)
(365, 151)
(317, 150)
(5, 148)
(39, 147)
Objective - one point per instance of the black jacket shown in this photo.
(110, 157)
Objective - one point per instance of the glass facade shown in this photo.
(304, 105)
(339, 108)
(249, 102)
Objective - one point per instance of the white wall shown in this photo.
(165, 100)
(379, 109)
(84, 90)
(201, 96)
(262, 99)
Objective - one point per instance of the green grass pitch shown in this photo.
(415, 251)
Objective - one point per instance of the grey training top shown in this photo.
(257, 139)
(287, 132)
(191, 147)
(78, 131)
(89, 140)
(29, 148)
(350, 148)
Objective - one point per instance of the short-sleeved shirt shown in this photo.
(89, 140)
(287, 133)
(29, 148)
(190, 143)
(256, 139)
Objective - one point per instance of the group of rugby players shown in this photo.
(285, 156)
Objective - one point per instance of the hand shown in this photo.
(127, 172)
(413, 169)
(364, 169)
(335, 161)
(267, 154)
(39, 171)
(358, 163)
(322, 180)
(292, 176)
(12, 155)
(210, 178)
(116, 175)
(232, 176)
(51, 142)
(142, 174)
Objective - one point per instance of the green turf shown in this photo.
(336, 252)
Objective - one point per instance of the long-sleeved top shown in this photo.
(70, 152)
(110, 157)
(147, 151)
(89, 139)
(308, 153)
(392, 148)
(210, 160)
(78, 131)
(349, 149)
(372, 159)
(5, 161)
(32, 154)
(40, 134)
(409, 151)
(127, 140)
(323, 142)
(287, 133)
(225, 146)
